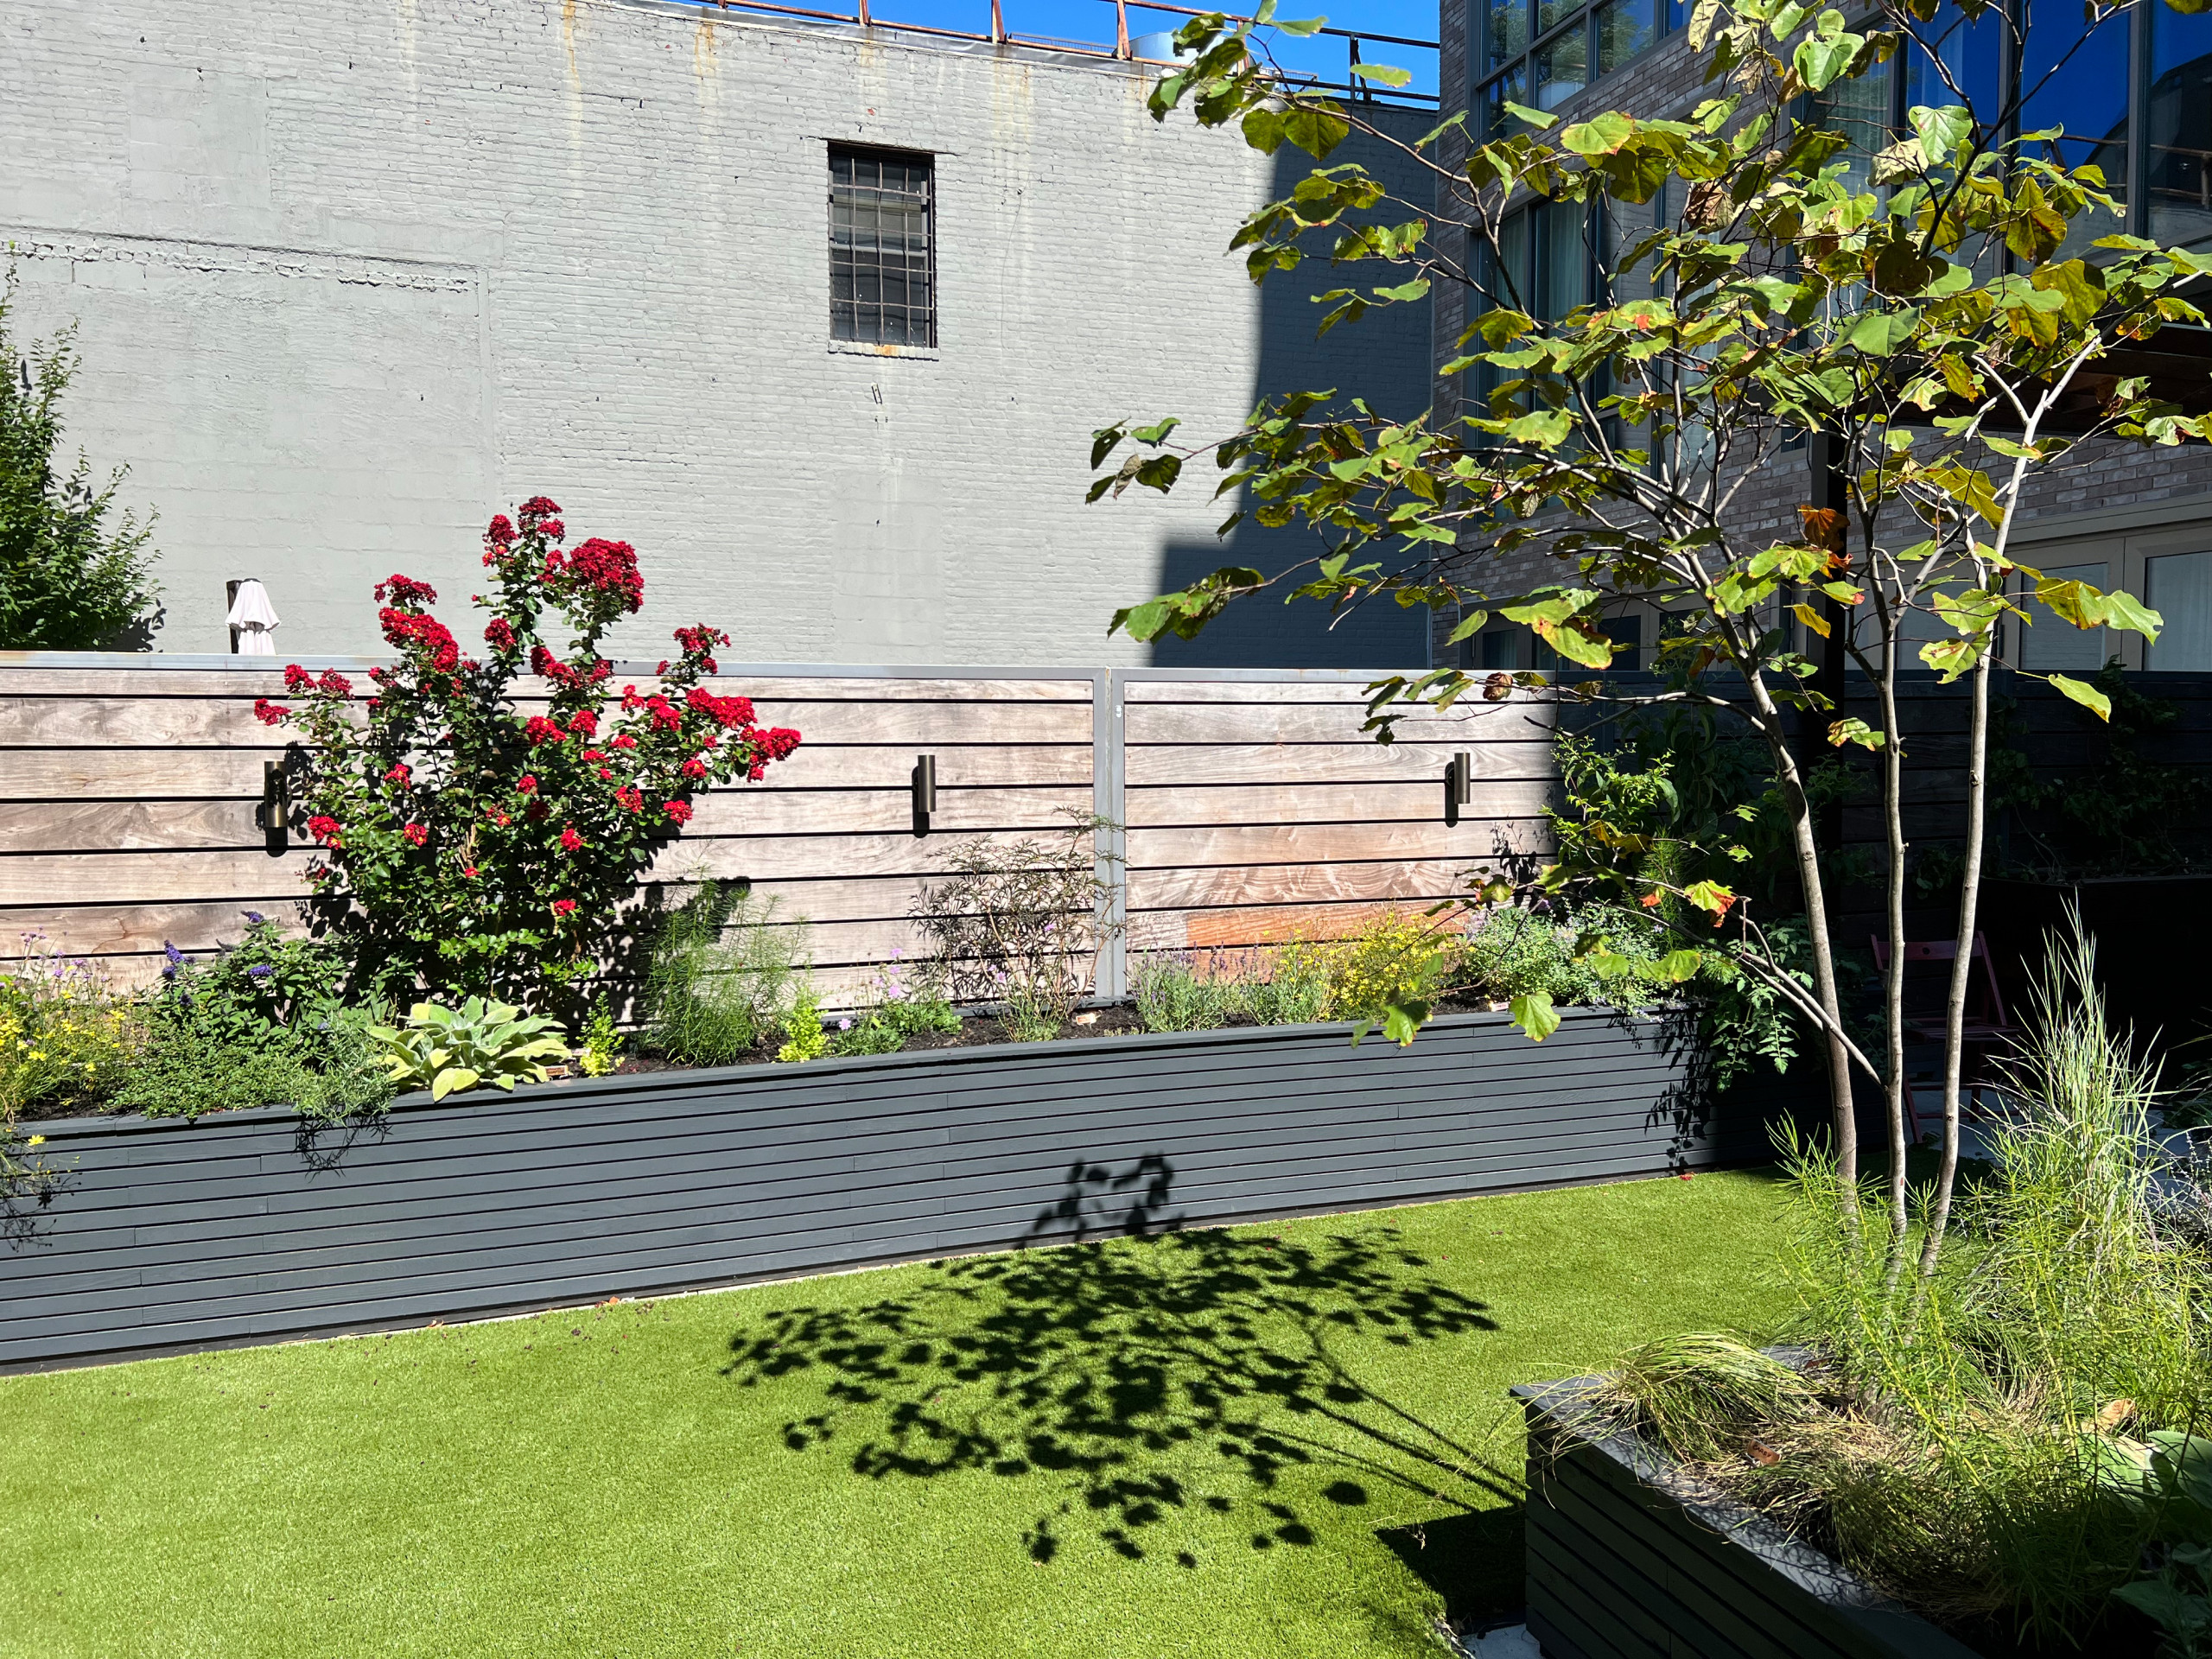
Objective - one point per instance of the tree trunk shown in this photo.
(1816, 931)
(1955, 1012)
(1894, 1085)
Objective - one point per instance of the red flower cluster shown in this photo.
(405, 628)
(723, 711)
(399, 774)
(626, 741)
(525, 784)
(537, 508)
(565, 906)
(497, 534)
(333, 683)
(571, 841)
(271, 714)
(609, 568)
(776, 742)
(540, 730)
(695, 767)
(298, 679)
(405, 590)
(631, 797)
(699, 642)
(679, 811)
(499, 632)
(584, 723)
(416, 834)
(325, 829)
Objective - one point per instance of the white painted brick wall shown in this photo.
(349, 277)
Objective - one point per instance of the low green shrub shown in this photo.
(1400, 957)
(67, 1039)
(805, 1039)
(264, 1022)
(479, 1045)
(1285, 984)
(725, 977)
(1172, 993)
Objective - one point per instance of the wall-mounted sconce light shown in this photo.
(1458, 785)
(925, 791)
(275, 814)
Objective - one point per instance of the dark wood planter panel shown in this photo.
(1627, 1561)
(247, 1227)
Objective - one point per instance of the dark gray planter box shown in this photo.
(1627, 1559)
(246, 1226)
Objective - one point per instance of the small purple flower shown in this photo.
(175, 956)
(845, 1024)
(254, 918)
(261, 970)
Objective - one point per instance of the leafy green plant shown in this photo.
(68, 1040)
(2178, 1593)
(1172, 994)
(1284, 984)
(339, 1075)
(898, 1005)
(69, 580)
(727, 969)
(602, 1044)
(804, 1038)
(480, 1044)
(1399, 960)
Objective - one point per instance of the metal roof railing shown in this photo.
(1123, 48)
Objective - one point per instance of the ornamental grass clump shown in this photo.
(1981, 1434)
(481, 834)
(726, 974)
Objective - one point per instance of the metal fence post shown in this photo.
(1109, 801)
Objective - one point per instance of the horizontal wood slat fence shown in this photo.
(1256, 809)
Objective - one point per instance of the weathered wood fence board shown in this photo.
(129, 790)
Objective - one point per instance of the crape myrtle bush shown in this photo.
(472, 847)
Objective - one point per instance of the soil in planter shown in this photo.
(976, 1030)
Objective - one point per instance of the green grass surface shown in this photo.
(1284, 1440)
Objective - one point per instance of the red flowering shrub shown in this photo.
(474, 844)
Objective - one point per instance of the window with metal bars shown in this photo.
(882, 248)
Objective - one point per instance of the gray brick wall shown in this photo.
(349, 277)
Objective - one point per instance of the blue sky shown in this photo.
(1092, 21)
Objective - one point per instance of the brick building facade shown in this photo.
(349, 278)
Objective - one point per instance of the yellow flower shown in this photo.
(37, 1141)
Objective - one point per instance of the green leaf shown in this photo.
(2121, 611)
(1384, 73)
(1417, 289)
(1941, 130)
(1103, 442)
(1877, 334)
(1601, 135)
(1855, 730)
(1533, 1012)
(1470, 625)
(2088, 695)
(1823, 58)
(1401, 1021)
(1678, 966)
(1155, 434)
(1299, 26)
(453, 1079)
(1315, 132)
(1527, 116)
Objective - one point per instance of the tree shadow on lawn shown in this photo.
(1125, 1367)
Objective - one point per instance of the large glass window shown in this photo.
(1556, 47)
(2177, 127)
(1960, 57)
(2178, 586)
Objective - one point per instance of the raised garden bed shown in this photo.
(1629, 1560)
(246, 1226)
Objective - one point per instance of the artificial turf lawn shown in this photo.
(1271, 1440)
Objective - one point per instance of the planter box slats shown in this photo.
(167, 1235)
(193, 1243)
(1626, 1557)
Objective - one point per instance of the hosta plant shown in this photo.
(479, 1045)
(484, 835)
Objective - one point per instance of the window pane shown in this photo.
(1514, 285)
(1628, 223)
(1512, 86)
(1562, 69)
(1860, 110)
(1566, 259)
(1508, 30)
(1969, 52)
(1551, 13)
(2052, 641)
(1625, 28)
(2074, 76)
(2180, 130)
(880, 286)
(2179, 588)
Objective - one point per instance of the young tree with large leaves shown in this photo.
(1919, 312)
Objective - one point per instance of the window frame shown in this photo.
(932, 312)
